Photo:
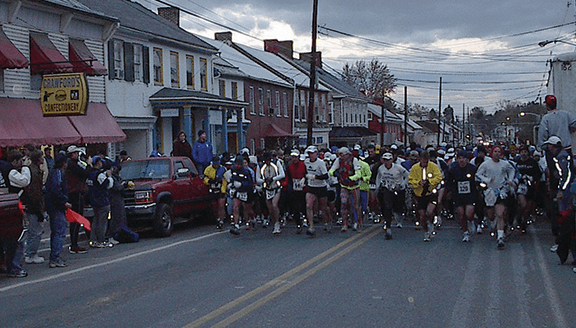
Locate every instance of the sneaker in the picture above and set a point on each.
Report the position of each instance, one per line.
(500, 243)
(554, 248)
(344, 228)
(399, 225)
(265, 224)
(479, 229)
(77, 250)
(58, 264)
(113, 241)
(95, 244)
(311, 232)
(219, 224)
(34, 259)
(276, 228)
(299, 229)
(388, 234)
(18, 274)
(235, 230)
(355, 226)
(427, 236)
(466, 237)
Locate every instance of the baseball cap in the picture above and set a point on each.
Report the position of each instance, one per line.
(414, 153)
(311, 149)
(344, 150)
(357, 147)
(394, 147)
(294, 152)
(387, 156)
(550, 100)
(73, 149)
(553, 140)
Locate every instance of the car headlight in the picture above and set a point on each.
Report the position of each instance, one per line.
(143, 197)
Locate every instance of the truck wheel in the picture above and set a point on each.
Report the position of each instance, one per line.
(163, 220)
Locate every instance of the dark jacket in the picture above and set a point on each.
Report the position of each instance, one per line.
(56, 192)
(76, 176)
(202, 153)
(182, 149)
(98, 186)
(33, 196)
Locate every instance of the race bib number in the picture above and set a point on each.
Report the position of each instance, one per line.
(372, 186)
(243, 196)
(215, 188)
(270, 194)
(464, 187)
(298, 185)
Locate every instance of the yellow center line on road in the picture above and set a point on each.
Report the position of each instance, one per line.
(282, 281)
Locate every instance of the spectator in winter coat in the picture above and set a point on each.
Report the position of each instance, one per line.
(33, 198)
(56, 205)
(181, 146)
(99, 182)
(202, 152)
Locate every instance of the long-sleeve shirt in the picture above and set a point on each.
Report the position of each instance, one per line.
(393, 178)
(56, 191)
(268, 171)
(366, 174)
(433, 175)
(558, 123)
(495, 174)
(348, 173)
(18, 180)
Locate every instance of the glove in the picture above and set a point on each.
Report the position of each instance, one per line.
(237, 184)
(310, 176)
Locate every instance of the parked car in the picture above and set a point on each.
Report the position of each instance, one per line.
(162, 191)
(11, 217)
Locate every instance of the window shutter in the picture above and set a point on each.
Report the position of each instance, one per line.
(129, 62)
(111, 74)
(146, 64)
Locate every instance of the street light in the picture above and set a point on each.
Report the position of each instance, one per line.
(547, 42)
(522, 114)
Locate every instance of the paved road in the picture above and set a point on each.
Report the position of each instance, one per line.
(200, 278)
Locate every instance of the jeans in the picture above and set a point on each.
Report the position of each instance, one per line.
(57, 234)
(35, 229)
(99, 224)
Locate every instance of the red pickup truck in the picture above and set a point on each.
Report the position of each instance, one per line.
(11, 217)
(162, 191)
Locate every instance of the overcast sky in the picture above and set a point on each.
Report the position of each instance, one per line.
(485, 51)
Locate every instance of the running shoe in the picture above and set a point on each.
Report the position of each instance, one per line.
(554, 248)
(311, 232)
(77, 250)
(388, 234)
(276, 228)
(344, 228)
(427, 236)
(58, 264)
(95, 244)
(18, 274)
(466, 237)
(500, 243)
(479, 229)
(34, 259)
(299, 229)
(235, 230)
(355, 226)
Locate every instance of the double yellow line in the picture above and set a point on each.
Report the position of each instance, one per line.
(281, 282)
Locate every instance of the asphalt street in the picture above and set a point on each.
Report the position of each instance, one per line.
(202, 277)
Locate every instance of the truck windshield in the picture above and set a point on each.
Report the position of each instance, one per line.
(145, 170)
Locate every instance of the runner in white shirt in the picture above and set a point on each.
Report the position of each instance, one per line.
(390, 183)
(268, 176)
(316, 177)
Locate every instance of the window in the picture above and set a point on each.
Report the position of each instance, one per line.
(158, 78)
(252, 145)
(118, 60)
(319, 140)
(222, 88)
(174, 70)
(190, 72)
(331, 113)
(369, 116)
(278, 104)
(1, 80)
(260, 101)
(269, 101)
(262, 143)
(203, 74)
(234, 87)
(296, 107)
(285, 104)
(303, 105)
(138, 62)
(252, 102)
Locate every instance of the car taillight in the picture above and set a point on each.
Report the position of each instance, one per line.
(143, 197)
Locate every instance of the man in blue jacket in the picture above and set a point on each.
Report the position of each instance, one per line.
(202, 152)
(56, 205)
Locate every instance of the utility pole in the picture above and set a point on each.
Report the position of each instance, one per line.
(312, 74)
(405, 116)
(439, 112)
(464, 122)
(382, 123)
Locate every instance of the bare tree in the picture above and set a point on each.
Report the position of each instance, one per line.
(373, 79)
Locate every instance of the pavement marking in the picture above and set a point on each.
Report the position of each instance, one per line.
(97, 265)
(549, 286)
(521, 288)
(282, 281)
(461, 311)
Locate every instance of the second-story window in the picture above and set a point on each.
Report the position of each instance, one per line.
(252, 102)
(285, 103)
(138, 62)
(174, 70)
(190, 72)
(234, 90)
(303, 105)
(118, 59)
(277, 103)
(260, 101)
(203, 74)
(269, 101)
(158, 78)
(331, 113)
(222, 88)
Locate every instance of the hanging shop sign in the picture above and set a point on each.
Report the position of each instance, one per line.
(64, 94)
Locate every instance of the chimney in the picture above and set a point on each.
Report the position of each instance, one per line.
(223, 36)
(306, 57)
(279, 47)
(171, 14)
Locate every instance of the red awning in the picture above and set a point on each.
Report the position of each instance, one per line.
(22, 122)
(98, 125)
(10, 56)
(45, 58)
(275, 131)
(84, 61)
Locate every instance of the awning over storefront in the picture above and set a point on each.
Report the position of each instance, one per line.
(45, 58)
(10, 56)
(98, 125)
(275, 131)
(84, 61)
(22, 122)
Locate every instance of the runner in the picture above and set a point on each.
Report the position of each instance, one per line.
(424, 178)
(214, 179)
(317, 177)
(242, 191)
(347, 169)
(268, 177)
(498, 178)
(530, 174)
(390, 183)
(460, 180)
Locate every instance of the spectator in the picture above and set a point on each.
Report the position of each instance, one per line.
(117, 210)
(181, 146)
(202, 152)
(99, 181)
(124, 157)
(48, 158)
(33, 198)
(76, 175)
(56, 205)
